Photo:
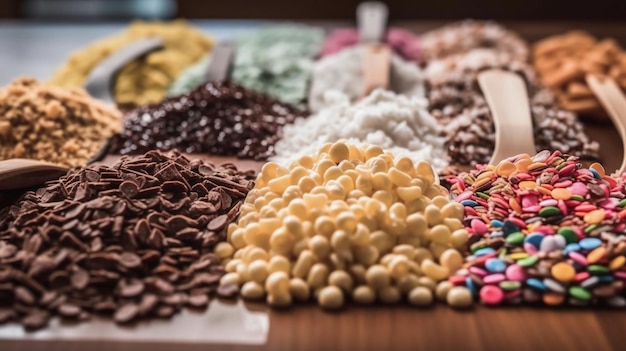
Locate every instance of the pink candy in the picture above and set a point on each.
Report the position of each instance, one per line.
(491, 295)
(578, 188)
(578, 258)
(494, 278)
(516, 273)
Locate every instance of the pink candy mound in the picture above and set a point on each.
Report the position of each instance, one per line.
(403, 42)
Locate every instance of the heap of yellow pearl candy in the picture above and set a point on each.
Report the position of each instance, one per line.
(352, 222)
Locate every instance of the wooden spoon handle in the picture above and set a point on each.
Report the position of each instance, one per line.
(23, 173)
(613, 100)
(507, 98)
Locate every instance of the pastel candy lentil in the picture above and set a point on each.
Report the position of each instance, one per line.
(556, 226)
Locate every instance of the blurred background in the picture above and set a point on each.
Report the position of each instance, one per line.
(108, 10)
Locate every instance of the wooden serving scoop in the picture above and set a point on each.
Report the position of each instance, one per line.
(376, 62)
(507, 98)
(614, 101)
(18, 173)
(24, 173)
(102, 78)
(221, 62)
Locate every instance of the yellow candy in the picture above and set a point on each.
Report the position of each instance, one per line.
(617, 263)
(594, 217)
(527, 185)
(505, 169)
(563, 272)
(596, 255)
(518, 255)
(561, 194)
(598, 168)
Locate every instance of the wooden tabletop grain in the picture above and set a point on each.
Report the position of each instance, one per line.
(306, 327)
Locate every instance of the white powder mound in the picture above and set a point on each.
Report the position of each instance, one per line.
(395, 122)
(342, 71)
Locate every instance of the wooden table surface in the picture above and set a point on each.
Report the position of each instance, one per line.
(306, 327)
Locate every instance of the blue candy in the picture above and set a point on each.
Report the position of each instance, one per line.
(590, 243)
(571, 247)
(509, 227)
(605, 278)
(496, 223)
(595, 173)
(495, 265)
(470, 203)
(534, 239)
(484, 251)
(469, 283)
(536, 284)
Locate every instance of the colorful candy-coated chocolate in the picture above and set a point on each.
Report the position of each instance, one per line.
(545, 228)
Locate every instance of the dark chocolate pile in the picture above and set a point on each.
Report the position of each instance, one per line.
(133, 240)
(218, 118)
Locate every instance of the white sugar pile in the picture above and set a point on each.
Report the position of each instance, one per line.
(395, 122)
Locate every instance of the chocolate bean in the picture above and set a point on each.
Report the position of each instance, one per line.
(228, 290)
(130, 260)
(198, 300)
(35, 320)
(218, 222)
(6, 315)
(69, 311)
(126, 313)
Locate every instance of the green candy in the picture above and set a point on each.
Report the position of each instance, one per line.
(515, 238)
(503, 253)
(477, 246)
(591, 228)
(579, 293)
(569, 234)
(483, 195)
(622, 203)
(578, 198)
(549, 211)
(528, 261)
(597, 269)
(510, 285)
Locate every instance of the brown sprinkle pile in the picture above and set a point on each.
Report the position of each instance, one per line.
(58, 125)
(133, 240)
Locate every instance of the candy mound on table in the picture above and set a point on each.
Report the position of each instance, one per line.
(350, 221)
(219, 118)
(277, 60)
(460, 37)
(563, 61)
(402, 42)
(543, 229)
(343, 71)
(456, 101)
(397, 123)
(147, 79)
(130, 241)
(53, 124)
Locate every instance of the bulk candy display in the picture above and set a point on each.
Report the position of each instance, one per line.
(145, 80)
(397, 123)
(343, 72)
(57, 125)
(277, 61)
(133, 240)
(460, 37)
(562, 62)
(402, 42)
(543, 229)
(350, 222)
(219, 118)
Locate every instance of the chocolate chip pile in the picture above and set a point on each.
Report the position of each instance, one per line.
(217, 118)
(58, 125)
(133, 240)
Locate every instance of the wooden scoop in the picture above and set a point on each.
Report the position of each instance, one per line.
(25, 173)
(102, 78)
(614, 101)
(507, 98)
(18, 173)
(372, 22)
